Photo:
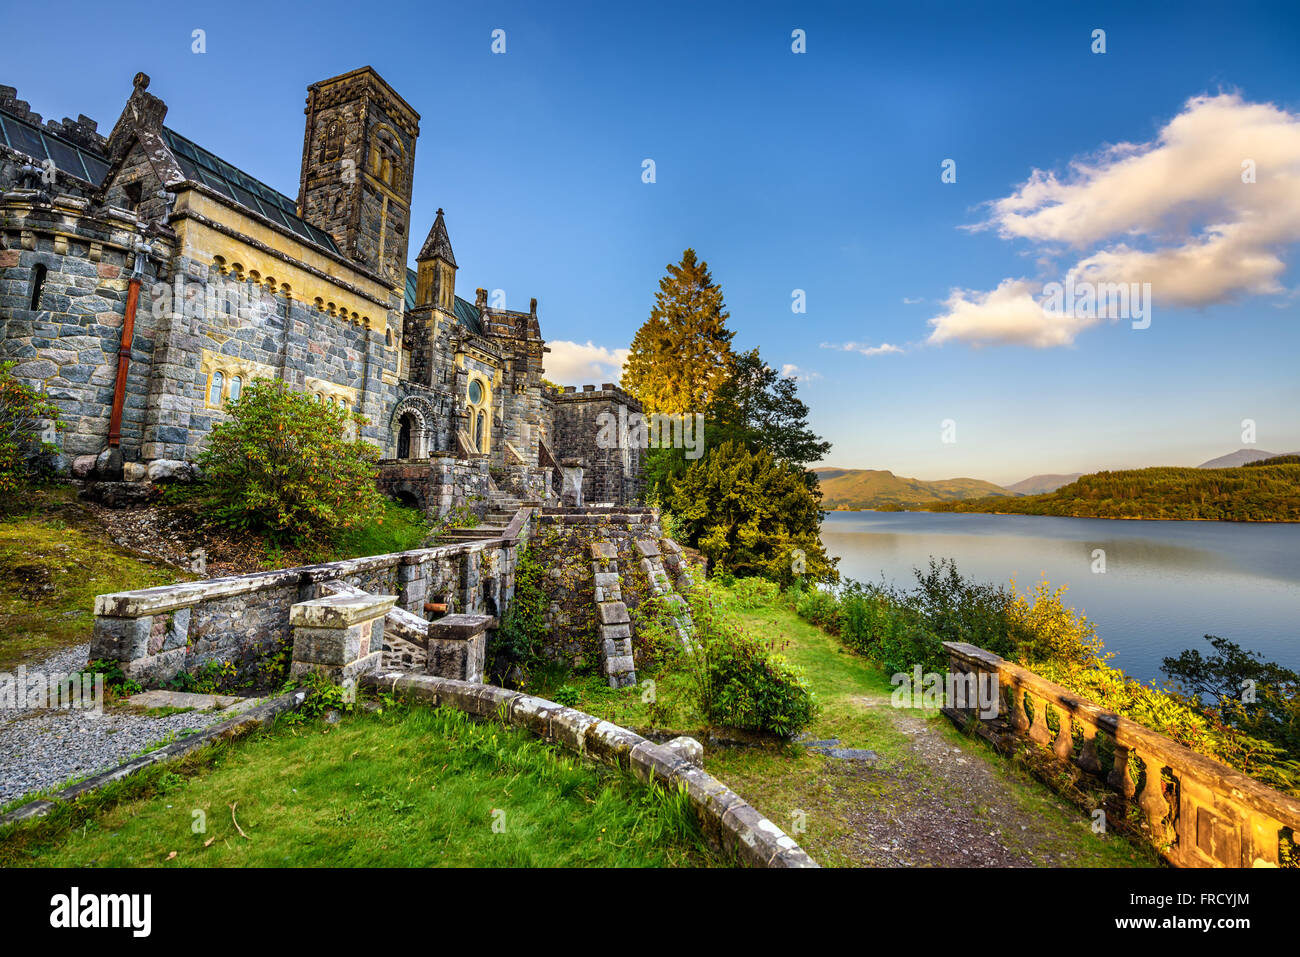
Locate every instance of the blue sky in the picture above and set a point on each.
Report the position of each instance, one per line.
(818, 171)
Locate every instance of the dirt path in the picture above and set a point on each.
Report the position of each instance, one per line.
(909, 789)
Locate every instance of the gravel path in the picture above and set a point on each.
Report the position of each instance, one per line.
(42, 749)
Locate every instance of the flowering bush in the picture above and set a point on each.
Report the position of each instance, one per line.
(283, 466)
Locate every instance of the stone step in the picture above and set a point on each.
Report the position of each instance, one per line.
(471, 534)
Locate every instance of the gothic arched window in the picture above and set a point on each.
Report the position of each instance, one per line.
(214, 391)
(331, 144)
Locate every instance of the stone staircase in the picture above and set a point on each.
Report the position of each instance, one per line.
(502, 507)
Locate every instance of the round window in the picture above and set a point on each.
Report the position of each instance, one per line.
(475, 392)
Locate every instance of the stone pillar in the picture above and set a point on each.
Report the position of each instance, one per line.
(339, 636)
(413, 582)
(458, 646)
(571, 493)
(613, 620)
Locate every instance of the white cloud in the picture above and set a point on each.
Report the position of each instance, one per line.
(791, 371)
(861, 347)
(1008, 315)
(571, 363)
(908, 301)
(1173, 212)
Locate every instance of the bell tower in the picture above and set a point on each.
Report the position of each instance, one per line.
(358, 157)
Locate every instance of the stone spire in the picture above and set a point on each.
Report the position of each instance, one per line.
(438, 245)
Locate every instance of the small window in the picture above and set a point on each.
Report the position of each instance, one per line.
(331, 142)
(38, 283)
(214, 390)
(236, 386)
(478, 433)
(475, 392)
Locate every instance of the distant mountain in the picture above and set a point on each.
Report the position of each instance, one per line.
(879, 488)
(1269, 493)
(1039, 484)
(1239, 457)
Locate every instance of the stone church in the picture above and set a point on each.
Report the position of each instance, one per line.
(145, 281)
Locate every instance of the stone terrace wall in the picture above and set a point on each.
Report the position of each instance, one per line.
(438, 484)
(157, 633)
(1206, 815)
(610, 475)
(562, 541)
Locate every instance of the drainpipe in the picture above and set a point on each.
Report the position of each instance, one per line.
(111, 468)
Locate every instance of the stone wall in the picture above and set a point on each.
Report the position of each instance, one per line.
(157, 633)
(562, 542)
(1196, 811)
(611, 474)
(68, 345)
(439, 484)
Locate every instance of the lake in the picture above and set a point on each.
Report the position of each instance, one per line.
(1165, 585)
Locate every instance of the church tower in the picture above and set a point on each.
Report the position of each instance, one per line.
(358, 157)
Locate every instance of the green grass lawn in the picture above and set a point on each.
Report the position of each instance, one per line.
(404, 787)
(787, 781)
(54, 560)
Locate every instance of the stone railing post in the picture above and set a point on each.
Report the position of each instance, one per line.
(571, 492)
(457, 646)
(339, 636)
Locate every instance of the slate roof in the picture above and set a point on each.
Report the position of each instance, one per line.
(42, 145)
(197, 163)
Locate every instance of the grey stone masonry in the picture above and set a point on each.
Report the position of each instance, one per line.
(339, 636)
(591, 426)
(612, 617)
(457, 646)
(661, 586)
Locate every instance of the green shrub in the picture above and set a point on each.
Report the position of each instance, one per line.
(819, 607)
(518, 640)
(282, 466)
(751, 594)
(738, 681)
(23, 414)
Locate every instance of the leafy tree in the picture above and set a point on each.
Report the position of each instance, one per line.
(1243, 690)
(23, 414)
(761, 408)
(682, 354)
(752, 514)
(283, 466)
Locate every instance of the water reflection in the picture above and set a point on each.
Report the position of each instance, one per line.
(1165, 585)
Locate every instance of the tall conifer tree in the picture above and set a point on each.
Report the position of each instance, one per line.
(682, 354)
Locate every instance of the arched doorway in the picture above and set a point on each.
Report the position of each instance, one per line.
(405, 427)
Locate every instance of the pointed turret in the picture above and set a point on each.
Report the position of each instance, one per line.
(438, 245)
(435, 283)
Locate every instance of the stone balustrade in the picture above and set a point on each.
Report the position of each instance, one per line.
(157, 633)
(1199, 811)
